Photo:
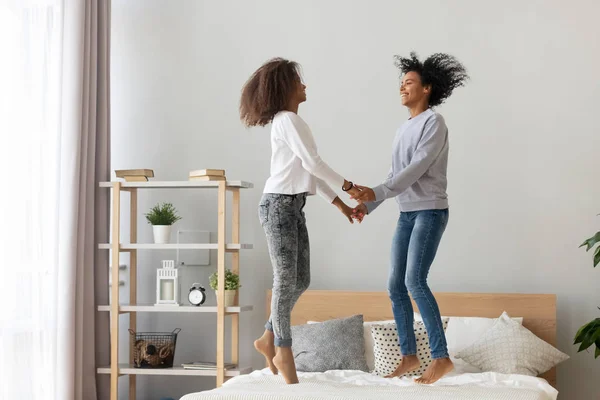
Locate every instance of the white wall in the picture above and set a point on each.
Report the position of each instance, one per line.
(524, 143)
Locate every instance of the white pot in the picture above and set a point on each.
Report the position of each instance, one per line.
(162, 233)
(229, 298)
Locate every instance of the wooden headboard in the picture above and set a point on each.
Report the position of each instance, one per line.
(538, 310)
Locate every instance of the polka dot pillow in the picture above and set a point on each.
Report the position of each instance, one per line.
(387, 349)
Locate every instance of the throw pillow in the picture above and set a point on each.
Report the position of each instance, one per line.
(387, 349)
(509, 348)
(330, 345)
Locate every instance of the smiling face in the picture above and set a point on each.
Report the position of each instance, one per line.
(412, 91)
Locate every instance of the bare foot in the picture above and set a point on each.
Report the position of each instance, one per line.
(284, 361)
(407, 364)
(437, 369)
(264, 345)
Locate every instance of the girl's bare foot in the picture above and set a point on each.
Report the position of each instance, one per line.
(264, 345)
(407, 364)
(437, 369)
(284, 361)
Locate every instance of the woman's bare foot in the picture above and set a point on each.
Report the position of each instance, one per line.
(264, 345)
(407, 364)
(437, 369)
(284, 361)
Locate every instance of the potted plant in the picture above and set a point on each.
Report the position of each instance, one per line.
(589, 334)
(232, 283)
(161, 217)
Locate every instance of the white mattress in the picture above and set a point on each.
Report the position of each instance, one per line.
(262, 385)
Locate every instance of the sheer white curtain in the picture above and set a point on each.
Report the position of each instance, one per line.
(54, 147)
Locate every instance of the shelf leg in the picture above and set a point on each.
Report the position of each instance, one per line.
(114, 298)
(132, 284)
(222, 200)
(235, 268)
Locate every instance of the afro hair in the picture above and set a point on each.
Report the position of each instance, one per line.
(442, 71)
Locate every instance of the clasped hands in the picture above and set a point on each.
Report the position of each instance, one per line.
(362, 194)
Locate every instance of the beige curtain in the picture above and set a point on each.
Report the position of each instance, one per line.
(55, 135)
(84, 209)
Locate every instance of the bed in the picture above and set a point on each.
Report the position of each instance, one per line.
(538, 312)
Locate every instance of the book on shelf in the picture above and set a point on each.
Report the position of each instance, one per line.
(135, 178)
(208, 172)
(207, 178)
(122, 173)
(206, 365)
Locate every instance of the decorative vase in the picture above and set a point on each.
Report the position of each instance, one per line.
(162, 233)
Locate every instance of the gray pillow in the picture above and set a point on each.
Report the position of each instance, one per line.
(329, 345)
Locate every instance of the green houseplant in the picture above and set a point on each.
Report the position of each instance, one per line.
(232, 283)
(589, 334)
(161, 217)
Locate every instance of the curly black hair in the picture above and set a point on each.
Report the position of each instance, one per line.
(442, 71)
(268, 91)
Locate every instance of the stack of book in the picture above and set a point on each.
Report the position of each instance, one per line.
(205, 365)
(207, 175)
(135, 175)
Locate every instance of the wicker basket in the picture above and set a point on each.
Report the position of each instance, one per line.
(154, 350)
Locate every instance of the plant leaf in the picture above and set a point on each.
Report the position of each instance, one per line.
(581, 333)
(164, 214)
(585, 343)
(597, 351)
(594, 336)
(591, 335)
(591, 241)
(597, 257)
(232, 281)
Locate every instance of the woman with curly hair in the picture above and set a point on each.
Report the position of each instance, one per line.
(417, 179)
(272, 95)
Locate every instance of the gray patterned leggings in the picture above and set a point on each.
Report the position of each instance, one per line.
(283, 220)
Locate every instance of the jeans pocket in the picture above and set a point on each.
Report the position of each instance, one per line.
(445, 217)
(263, 213)
(287, 200)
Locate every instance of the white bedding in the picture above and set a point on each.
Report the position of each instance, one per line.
(262, 385)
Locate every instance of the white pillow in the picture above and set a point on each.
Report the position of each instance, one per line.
(369, 344)
(509, 348)
(463, 332)
(387, 349)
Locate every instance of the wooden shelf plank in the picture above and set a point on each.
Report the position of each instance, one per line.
(175, 309)
(179, 184)
(177, 246)
(128, 369)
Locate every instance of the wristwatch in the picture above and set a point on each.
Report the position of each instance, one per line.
(350, 187)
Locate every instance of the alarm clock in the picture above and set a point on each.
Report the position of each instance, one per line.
(196, 296)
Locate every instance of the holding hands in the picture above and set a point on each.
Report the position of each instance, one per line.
(361, 194)
(345, 209)
(359, 212)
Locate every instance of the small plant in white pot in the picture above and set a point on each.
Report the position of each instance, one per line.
(161, 217)
(232, 283)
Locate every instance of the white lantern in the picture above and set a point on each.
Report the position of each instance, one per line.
(167, 284)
